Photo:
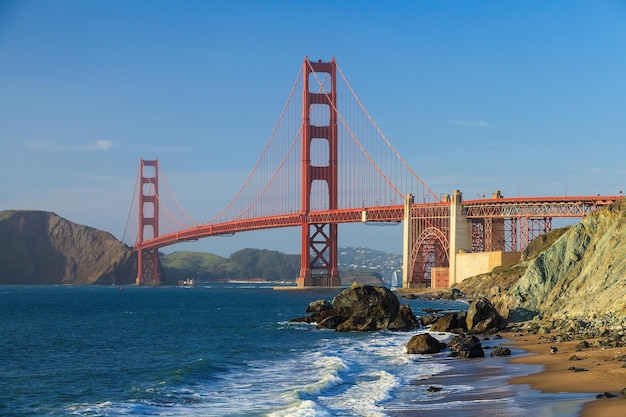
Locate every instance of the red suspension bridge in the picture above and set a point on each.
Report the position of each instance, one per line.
(326, 163)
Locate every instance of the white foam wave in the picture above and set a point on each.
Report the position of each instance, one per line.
(328, 368)
(306, 408)
(353, 374)
(363, 398)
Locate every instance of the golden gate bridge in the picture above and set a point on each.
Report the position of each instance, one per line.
(326, 163)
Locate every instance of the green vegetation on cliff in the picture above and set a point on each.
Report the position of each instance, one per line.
(575, 272)
(248, 264)
(243, 264)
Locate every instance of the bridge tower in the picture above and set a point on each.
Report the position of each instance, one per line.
(319, 126)
(148, 205)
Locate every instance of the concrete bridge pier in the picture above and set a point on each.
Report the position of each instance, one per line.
(460, 233)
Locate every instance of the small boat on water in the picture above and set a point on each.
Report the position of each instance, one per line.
(187, 283)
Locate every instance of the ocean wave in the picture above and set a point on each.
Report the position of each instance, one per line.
(364, 396)
(305, 408)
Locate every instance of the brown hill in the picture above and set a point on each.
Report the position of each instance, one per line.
(38, 247)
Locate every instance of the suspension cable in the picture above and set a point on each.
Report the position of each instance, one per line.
(384, 137)
(262, 154)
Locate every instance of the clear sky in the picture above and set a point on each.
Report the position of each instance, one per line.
(528, 97)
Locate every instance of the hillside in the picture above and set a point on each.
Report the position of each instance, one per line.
(575, 272)
(243, 264)
(38, 247)
(356, 264)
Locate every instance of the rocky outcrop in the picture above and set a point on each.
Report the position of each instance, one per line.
(501, 351)
(450, 322)
(482, 317)
(424, 343)
(466, 347)
(581, 274)
(361, 308)
(38, 247)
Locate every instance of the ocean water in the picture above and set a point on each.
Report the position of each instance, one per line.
(229, 350)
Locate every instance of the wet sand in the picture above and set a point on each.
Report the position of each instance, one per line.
(598, 370)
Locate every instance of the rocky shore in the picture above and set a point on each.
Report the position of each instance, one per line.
(582, 355)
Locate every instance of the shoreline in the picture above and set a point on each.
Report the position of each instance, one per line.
(597, 370)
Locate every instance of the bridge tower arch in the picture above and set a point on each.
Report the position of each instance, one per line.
(148, 208)
(426, 241)
(318, 266)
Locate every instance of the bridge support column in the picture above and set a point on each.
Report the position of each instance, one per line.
(319, 123)
(407, 242)
(460, 233)
(148, 208)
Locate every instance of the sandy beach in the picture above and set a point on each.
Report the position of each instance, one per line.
(597, 370)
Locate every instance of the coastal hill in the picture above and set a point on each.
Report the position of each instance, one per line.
(245, 264)
(39, 247)
(266, 265)
(576, 272)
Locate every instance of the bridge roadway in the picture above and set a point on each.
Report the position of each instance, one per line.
(484, 208)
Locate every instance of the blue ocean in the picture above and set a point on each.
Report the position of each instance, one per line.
(230, 350)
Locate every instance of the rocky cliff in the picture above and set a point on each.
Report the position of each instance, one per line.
(38, 247)
(574, 272)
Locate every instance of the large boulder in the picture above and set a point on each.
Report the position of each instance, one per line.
(482, 317)
(465, 347)
(405, 320)
(362, 308)
(375, 302)
(450, 322)
(424, 343)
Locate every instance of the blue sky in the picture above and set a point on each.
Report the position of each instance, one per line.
(527, 97)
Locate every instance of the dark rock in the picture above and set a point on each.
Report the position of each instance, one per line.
(434, 389)
(582, 345)
(482, 317)
(574, 358)
(424, 343)
(330, 322)
(319, 306)
(605, 395)
(623, 392)
(358, 323)
(427, 320)
(450, 322)
(465, 347)
(501, 351)
(306, 319)
(362, 308)
(456, 294)
(405, 320)
(369, 307)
